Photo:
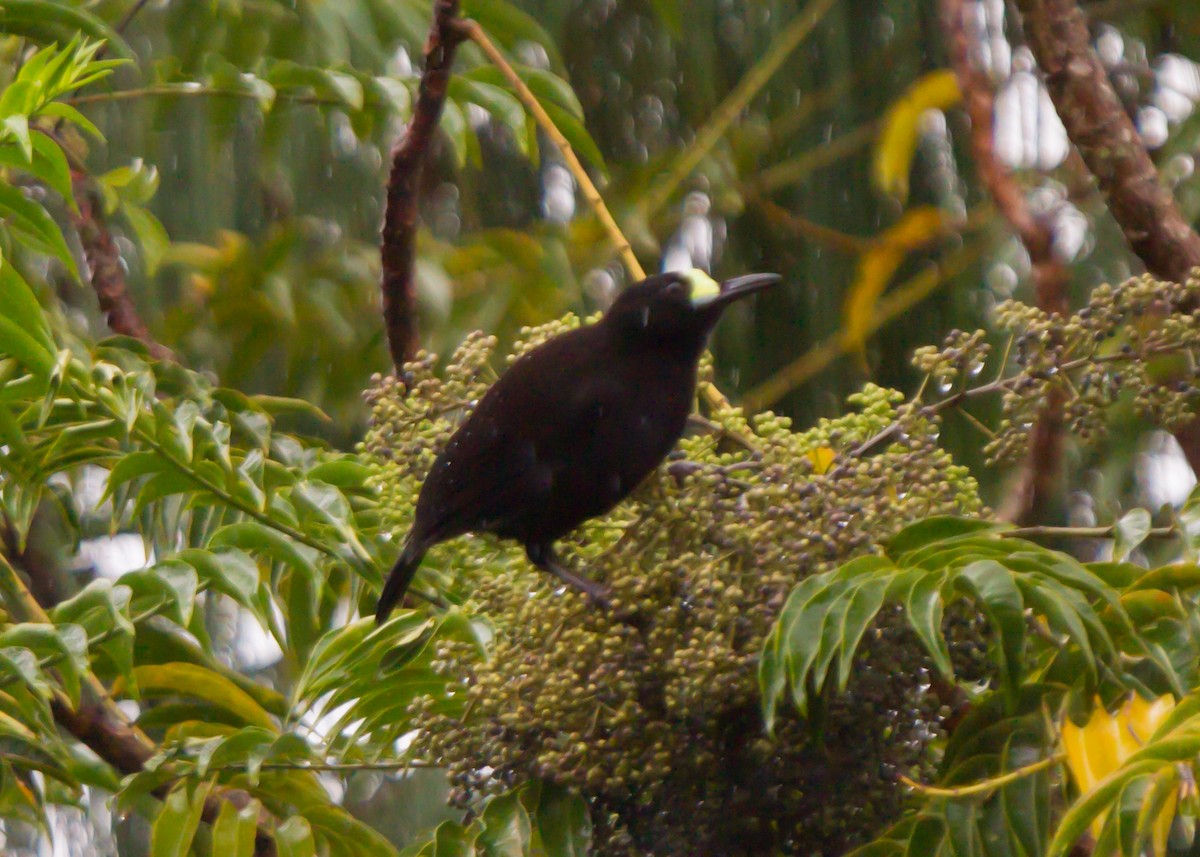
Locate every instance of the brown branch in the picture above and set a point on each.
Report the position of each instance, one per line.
(106, 272)
(408, 161)
(104, 728)
(1039, 475)
(1098, 126)
(1100, 129)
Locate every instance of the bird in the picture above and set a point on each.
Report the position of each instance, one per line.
(572, 427)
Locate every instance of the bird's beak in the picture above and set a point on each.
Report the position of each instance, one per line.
(740, 287)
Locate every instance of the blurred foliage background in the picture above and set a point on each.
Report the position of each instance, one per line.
(245, 148)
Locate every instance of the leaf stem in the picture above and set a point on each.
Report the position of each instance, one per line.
(190, 89)
(1081, 532)
(985, 785)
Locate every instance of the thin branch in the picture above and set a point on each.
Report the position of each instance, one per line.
(132, 13)
(933, 409)
(105, 271)
(188, 89)
(834, 239)
(708, 391)
(1046, 532)
(801, 166)
(330, 767)
(399, 235)
(897, 302)
(782, 47)
(1039, 475)
(985, 785)
(471, 30)
(1099, 127)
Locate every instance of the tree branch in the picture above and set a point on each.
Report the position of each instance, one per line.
(106, 272)
(1100, 129)
(408, 161)
(100, 724)
(1098, 126)
(1039, 475)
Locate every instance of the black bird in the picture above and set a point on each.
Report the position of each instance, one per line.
(572, 427)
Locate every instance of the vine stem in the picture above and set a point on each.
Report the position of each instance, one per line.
(471, 30)
(985, 785)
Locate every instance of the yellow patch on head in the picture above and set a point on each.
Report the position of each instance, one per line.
(702, 288)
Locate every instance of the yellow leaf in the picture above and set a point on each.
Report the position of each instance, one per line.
(897, 143)
(1102, 745)
(822, 458)
(877, 266)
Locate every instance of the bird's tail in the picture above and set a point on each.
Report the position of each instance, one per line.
(399, 578)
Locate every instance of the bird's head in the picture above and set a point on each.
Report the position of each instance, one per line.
(678, 307)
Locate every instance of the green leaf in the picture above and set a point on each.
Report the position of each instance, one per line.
(151, 235)
(66, 112)
(1085, 810)
(864, 606)
(347, 835)
(186, 679)
(131, 466)
(102, 608)
(67, 644)
(546, 86)
(170, 582)
(19, 305)
(510, 25)
(47, 163)
(254, 536)
(294, 838)
(936, 529)
(577, 135)
(498, 102)
(451, 839)
(1130, 532)
(233, 833)
(343, 473)
(229, 571)
(1168, 577)
(507, 831)
(994, 589)
(176, 825)
(924, 612)
(32, 224)
(564, 822)
(16, 16)
(338, 87)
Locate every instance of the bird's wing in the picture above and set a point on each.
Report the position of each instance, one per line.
(503, 460)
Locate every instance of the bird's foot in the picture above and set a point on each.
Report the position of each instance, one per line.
(597, 593)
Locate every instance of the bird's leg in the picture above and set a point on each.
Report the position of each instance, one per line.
(544, 557)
